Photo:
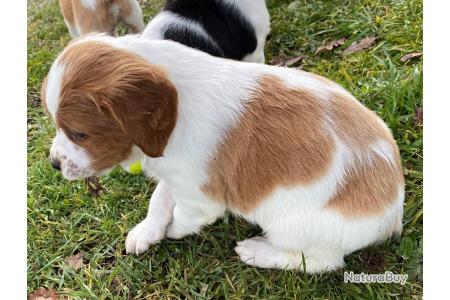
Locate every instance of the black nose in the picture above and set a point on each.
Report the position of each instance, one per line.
(56, 164)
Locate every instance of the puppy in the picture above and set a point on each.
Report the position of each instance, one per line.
(288, 150)
(85, 16)
(235, 29)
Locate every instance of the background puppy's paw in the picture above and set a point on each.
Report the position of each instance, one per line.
(142, 236)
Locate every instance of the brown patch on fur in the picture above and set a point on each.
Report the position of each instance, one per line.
(281, 141)
(356, 125)
(117, 99)
(368, 188)
(371, 184)
(278, 142)
(99, 20)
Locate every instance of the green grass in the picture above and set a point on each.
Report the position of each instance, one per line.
(63, 219)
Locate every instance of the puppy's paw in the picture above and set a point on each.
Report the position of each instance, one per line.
(258, 252)
(142, 236)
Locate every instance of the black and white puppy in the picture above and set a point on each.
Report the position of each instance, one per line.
(235, 29)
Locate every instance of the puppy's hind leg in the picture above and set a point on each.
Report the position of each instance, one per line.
(259, 252)
(73, 30)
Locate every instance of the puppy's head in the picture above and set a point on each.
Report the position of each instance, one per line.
(103, 101)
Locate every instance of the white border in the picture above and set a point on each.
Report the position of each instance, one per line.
(13, 123)
(13, 146)
(437, 148)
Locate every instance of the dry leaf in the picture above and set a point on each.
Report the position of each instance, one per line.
(359, 46)
(418, 118)
(277, 61)
(292, 61)
(330, 46)
(43, 294)
(410, 56)
(75, 261)
(282, 61)
(94, 186)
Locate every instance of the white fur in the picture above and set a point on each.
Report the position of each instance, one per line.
(155, 29)
(212, 95)
(75, 161)
(89, 4)
(384, 150)
(73, 29)
(54, 87)
(254, 10)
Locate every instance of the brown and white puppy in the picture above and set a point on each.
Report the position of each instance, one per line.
(85, 16)
(288, 150)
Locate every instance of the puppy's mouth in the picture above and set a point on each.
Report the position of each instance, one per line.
(71, 171)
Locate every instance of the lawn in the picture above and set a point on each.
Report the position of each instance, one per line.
(64, 219)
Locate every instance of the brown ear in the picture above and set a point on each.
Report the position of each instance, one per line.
(137, 95)
(146, 107)
(145, 104)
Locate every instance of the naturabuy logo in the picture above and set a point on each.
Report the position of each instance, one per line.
(386, 277)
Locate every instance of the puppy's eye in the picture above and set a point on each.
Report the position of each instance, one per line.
(79, 136)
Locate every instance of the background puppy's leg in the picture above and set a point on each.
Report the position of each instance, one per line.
(190, 216)
(132, 16)
(153, 228)
(66, 8)
(73, 31)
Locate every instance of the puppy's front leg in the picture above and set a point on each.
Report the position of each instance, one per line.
(153, 228)
(190, 216)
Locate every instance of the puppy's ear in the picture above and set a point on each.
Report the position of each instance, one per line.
(144, 103)
(137, 96)
(127, 88)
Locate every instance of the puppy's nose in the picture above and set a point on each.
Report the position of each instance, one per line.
(56, 164)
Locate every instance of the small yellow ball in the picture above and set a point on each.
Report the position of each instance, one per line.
(136, 168)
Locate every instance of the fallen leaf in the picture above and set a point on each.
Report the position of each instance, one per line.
(94, 186)
(292, 61)
(282, 61)
(277, 61)
(43, 294)
(359, 46)
(330, 46)
(75, 261)
(410, 56)
(418, 118)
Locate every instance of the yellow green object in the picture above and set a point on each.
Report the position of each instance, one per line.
(136, 168)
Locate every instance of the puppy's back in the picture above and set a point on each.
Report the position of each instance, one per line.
(231, 32)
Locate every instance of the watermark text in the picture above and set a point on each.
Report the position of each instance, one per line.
(386, 277)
